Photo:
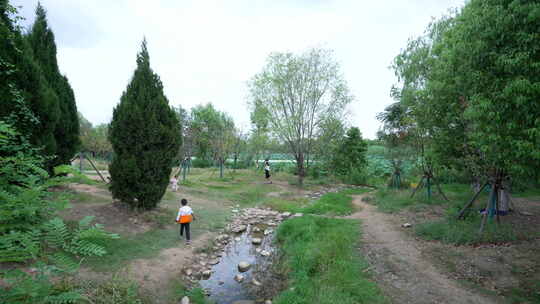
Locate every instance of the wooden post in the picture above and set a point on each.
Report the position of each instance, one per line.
(469, 204)
(429, 187)
(485, 215)
(99, 173)
(81, 157)
(420, 184)
(497, 196)
(440, 190)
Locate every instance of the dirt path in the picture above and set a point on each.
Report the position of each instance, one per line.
(155, 274)
(401, 269)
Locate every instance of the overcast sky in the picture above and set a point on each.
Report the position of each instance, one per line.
(207, 50)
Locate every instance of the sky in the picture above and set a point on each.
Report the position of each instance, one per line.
(207, 50)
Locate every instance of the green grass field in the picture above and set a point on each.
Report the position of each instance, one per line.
(323, 263)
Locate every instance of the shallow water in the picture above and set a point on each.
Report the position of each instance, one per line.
(222, 286)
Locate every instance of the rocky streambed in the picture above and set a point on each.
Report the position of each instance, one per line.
(237, 269)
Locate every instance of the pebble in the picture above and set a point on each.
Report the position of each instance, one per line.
(206, 274)
(244, 266)
(239, 278)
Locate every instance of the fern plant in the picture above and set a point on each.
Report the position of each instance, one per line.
(26, 288)
(71, 246)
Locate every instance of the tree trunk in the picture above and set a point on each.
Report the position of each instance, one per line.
(301, 169)
(183, 168)
(81, 158)
(504, 203)
(428, 188)
(220, 168)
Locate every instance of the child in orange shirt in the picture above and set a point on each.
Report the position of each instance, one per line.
(185, 217)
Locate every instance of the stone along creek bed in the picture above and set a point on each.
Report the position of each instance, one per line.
(237, 270)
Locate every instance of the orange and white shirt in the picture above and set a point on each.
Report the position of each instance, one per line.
(184, 211)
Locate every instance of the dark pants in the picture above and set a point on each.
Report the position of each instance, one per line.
(267, 174)
(186, 227)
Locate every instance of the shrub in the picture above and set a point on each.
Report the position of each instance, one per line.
(28, 232)
(201, 163)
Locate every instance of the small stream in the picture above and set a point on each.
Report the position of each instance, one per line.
(217, 270)
(222, 286)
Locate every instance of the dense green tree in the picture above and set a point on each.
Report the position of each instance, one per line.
(66, 130)
(213, 132)
(144, 136)
(350, 156)
(328, 141)
(489, 61)
(471, 84)
(27, 102)
(395, 135)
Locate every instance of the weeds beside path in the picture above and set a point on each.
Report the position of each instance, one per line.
(399, 265)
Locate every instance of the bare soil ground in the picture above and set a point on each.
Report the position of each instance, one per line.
(400, 265)
(413, 270)
(156, 273)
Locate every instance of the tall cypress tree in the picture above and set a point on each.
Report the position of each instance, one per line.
(66, 130)
(26, 100)
(144, 136)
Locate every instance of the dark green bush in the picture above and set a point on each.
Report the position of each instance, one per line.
(202, 163)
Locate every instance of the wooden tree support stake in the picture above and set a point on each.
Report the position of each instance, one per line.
(420, 185)
(440, 190)
(469, 204)
(95, 168)
(485, 215)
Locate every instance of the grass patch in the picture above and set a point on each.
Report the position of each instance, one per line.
(150, 243)
(391, 200)
(144, 245)
(465, 232)
(116, 290)
(331, 203)
(527, 293)
(178, 291)
(529, 193)
(355, 191)
(286, 205)
(85, 198)
(323, 263)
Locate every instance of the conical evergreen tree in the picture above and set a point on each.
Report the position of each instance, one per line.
(144, 136)
(66, 131)
(26, 100)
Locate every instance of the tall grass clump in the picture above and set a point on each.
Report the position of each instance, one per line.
(323, 263)
(465, 232)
